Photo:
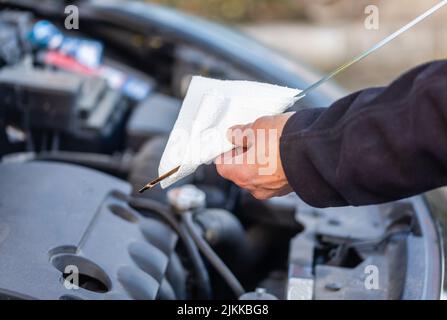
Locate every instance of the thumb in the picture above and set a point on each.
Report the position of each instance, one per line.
(241, 135)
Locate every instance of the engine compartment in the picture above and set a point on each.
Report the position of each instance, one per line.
(92, 228)
(75, 146)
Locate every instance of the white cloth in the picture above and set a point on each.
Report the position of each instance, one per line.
(208, 110)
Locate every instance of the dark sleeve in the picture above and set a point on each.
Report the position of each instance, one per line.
(373, 146)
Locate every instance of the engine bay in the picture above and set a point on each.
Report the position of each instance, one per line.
(77, 142)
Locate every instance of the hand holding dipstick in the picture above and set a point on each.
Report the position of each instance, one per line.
(333, 73)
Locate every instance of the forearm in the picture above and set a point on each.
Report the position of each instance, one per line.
(373, 146)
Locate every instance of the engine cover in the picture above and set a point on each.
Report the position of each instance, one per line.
(67, 219)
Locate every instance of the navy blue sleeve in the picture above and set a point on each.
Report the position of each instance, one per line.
(373, 146)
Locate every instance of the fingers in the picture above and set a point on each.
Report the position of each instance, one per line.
(244, 176)
(231, 166)
(246, 165)
(222, 163)
(241, 135)
(229, 156)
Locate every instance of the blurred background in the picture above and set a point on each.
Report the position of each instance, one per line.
(326, 33)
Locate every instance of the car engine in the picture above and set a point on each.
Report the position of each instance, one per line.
(75, 145)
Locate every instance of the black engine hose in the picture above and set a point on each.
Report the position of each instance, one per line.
(212, 257)
(203, 280)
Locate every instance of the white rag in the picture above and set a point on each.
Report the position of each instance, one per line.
(209, 109)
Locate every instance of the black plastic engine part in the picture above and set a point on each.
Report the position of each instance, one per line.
(277, 212)
(47, 99)
(225, 233)
(212, 257)
(118, 252)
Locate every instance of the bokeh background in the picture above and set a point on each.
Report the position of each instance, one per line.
(326, 33)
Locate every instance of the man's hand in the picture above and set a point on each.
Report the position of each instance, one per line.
(255, 163)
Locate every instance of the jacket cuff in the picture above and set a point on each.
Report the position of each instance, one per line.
(298, 164)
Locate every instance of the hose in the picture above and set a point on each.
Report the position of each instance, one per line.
(203, 281)
(212, 257)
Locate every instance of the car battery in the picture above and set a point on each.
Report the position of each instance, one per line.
(152, 117)
(101, 114)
